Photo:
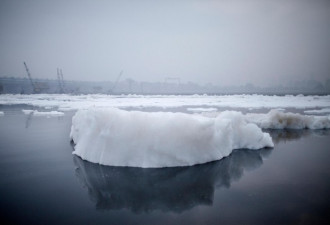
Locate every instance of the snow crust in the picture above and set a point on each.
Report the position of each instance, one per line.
(160, 139)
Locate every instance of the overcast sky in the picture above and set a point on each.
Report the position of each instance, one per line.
(223, 42)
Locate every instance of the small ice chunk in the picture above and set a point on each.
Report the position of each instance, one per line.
(280, 120)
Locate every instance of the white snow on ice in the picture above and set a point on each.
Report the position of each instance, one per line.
(38, 113)
(66, 102)
(160, 139)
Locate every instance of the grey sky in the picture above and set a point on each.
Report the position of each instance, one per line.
(224, 42)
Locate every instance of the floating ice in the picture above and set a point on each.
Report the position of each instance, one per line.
(160, 139)
(37, 113)
(2, 113)
(277, 119)
(286, 120)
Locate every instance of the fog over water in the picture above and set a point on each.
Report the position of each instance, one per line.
(223, 42)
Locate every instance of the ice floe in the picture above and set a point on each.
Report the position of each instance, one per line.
(286, 120)
(160, 139)
(277, 119)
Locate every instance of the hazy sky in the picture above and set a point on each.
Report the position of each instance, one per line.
(224, 42)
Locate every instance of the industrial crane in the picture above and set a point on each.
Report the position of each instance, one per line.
(30, 78)
(60, 80)
(37, 87)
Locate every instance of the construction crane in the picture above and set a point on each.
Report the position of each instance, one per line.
(30, 78)
(37, 87)
(116, 82)
(60, 80)
(60, 87)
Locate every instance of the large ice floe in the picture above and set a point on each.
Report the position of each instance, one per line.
(161, 139)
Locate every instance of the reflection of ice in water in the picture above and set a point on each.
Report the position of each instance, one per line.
(172, 189)
(168, 189)
(293, 134)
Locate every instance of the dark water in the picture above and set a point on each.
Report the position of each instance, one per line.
(41, 182)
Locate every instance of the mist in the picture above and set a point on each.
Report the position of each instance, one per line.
(221, 42)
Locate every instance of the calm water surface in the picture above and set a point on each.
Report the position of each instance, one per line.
(41, 182)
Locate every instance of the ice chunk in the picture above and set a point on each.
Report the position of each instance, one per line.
(2, 113)
(280, 120)
(160, 139)
(277, 119)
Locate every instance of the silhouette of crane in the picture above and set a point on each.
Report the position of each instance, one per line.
(60, 80)
(37, 87)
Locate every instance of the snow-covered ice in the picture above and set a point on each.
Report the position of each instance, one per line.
(160, 139)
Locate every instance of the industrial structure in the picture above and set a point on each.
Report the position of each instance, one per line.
(60, 79)
(37, 87)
